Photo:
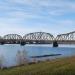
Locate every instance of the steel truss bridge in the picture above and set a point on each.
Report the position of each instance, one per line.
(38, 38)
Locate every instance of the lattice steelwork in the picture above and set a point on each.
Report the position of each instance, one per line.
(68, 36)
(38, 36)
(12, 37)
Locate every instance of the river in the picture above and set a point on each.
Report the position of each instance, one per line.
(9, 51)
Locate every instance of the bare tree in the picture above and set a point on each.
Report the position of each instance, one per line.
(21, 57)
(1, 61)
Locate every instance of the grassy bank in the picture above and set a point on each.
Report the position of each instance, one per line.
(64, 66)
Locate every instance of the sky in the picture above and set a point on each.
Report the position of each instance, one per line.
(26, 16)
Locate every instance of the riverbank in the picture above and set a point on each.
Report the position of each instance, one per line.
(63, 66)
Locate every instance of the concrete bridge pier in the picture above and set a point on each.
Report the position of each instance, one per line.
(55, 44)
(22, 43)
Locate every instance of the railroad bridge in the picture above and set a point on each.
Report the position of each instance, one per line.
(38, 38)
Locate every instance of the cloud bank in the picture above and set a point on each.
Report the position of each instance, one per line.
(24, 16)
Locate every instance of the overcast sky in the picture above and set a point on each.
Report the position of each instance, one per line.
(25, 16)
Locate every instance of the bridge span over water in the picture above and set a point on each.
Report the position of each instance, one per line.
(38, 38)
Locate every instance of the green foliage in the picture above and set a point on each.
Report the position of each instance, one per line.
(62, 66)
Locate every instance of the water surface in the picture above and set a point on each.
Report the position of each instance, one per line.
(9, 52)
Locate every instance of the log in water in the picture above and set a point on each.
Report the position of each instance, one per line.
(45, 55)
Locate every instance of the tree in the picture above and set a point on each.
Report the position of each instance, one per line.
(21, 57)
(1, 61)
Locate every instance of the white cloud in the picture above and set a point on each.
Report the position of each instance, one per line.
(14, 12)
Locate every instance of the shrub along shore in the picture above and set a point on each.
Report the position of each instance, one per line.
(62, 66)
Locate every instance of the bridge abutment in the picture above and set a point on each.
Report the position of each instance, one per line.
(55, 44)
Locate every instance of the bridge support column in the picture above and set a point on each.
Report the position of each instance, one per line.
(55, 44)
(22, 43)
